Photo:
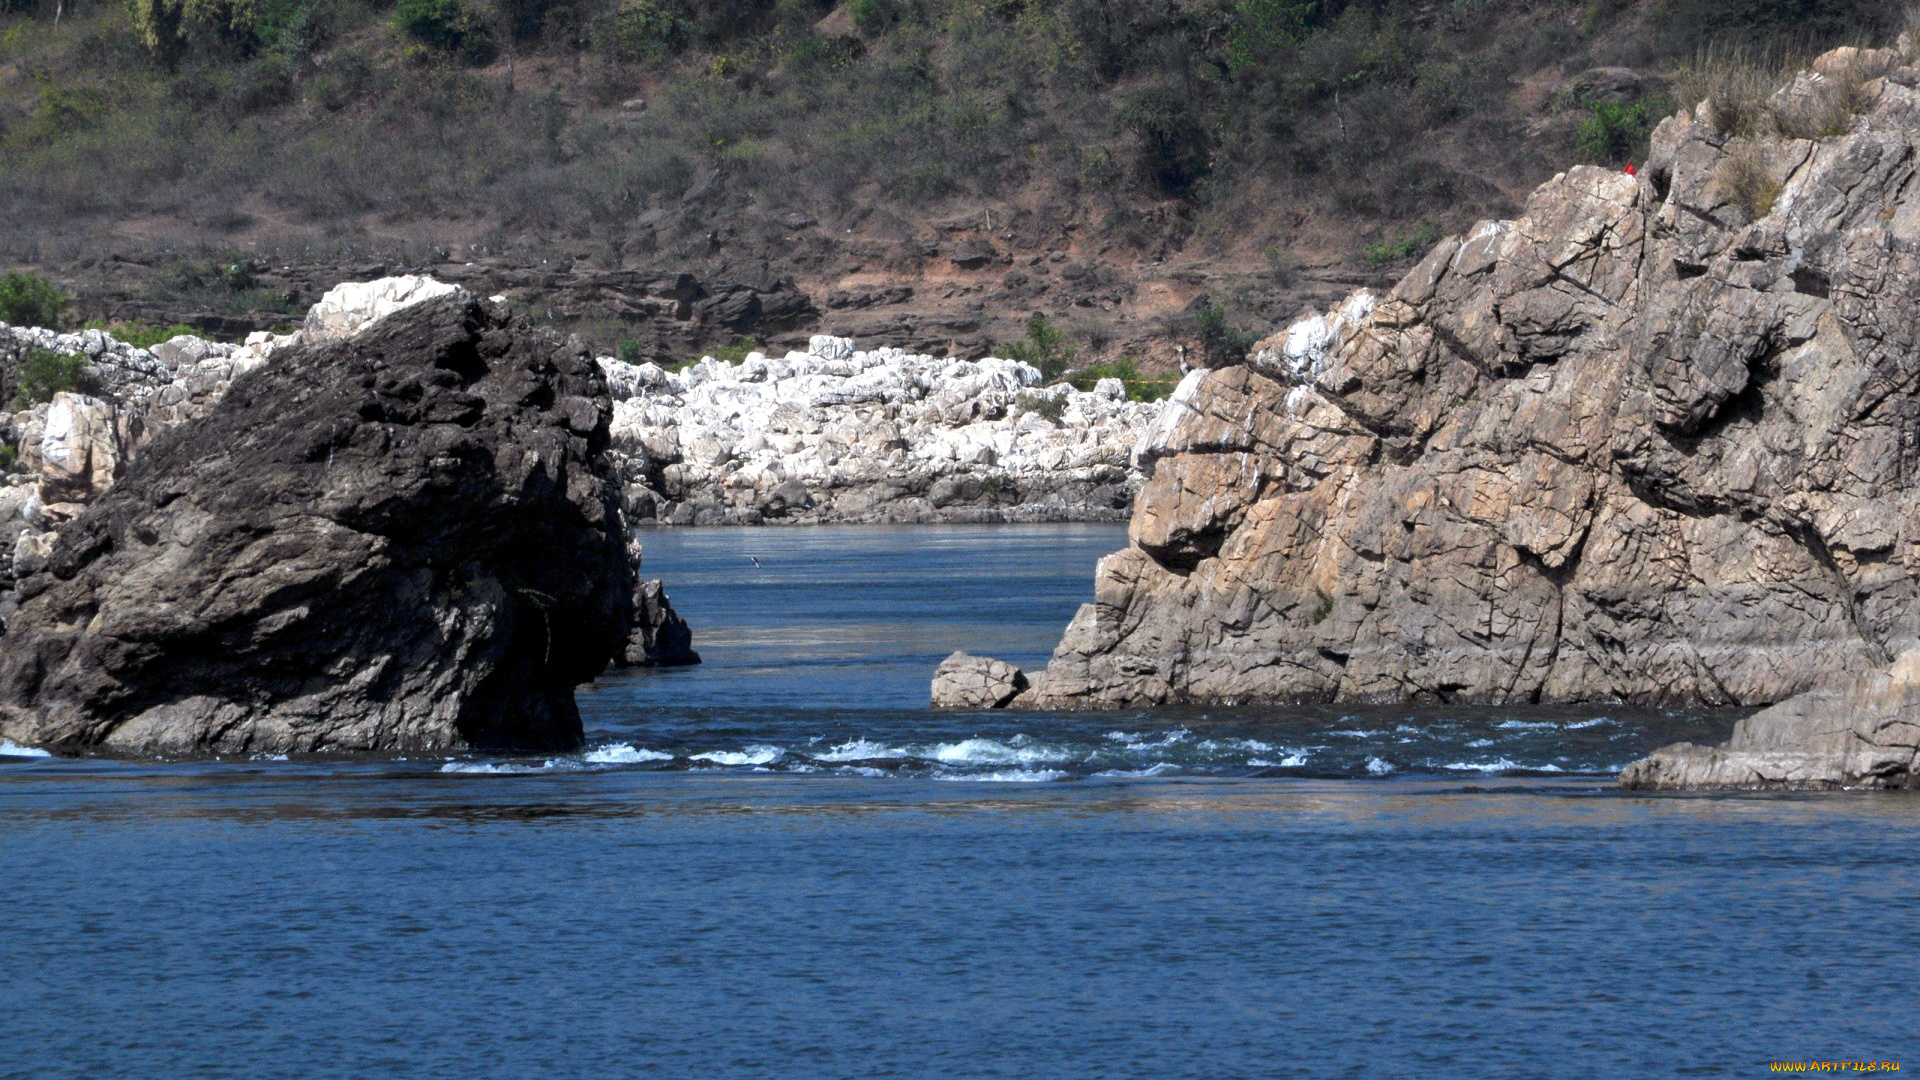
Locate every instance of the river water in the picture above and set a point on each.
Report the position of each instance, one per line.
(781, 864)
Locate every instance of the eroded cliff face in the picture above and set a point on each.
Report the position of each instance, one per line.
(405, 539)
(1654, 440)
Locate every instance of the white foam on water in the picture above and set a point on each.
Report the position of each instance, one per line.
(492, 768)
(1595, 722)
(1356, 734)
(1018, 750)
(1476, 744)
(861, 770)
(1233, 746)
(1379, 767)
(1501, 765)
(268, 757)
(1291, 761)
(862, 749)
(623, 754)
(1006, 776)
(1158, 768)
(1525, 725)
(1144, 740)
(9, 748)
(752, 755)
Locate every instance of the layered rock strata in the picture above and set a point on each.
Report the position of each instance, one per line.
(1653, 441)
(1864, 732)
(401, 540)
(837, 434)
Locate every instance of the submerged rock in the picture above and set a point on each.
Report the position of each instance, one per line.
(965, 681)
(837, 434)
(403, 540)
(1652, 441)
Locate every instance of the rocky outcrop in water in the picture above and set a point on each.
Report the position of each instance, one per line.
(1864, 732)
(1654, 441)
(965, 681)
(836, 434)
(659, 637)
(401, 540)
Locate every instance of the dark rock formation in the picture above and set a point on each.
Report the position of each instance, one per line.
(659, 636)
(1653, 441)
(403, 540)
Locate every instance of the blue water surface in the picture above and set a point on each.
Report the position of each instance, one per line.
(780, 864)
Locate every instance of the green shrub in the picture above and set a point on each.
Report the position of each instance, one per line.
(44, 373)
(1127, 370)
(142, 335)
(450, 26)
(1042, 404)
(27, 299)
(628, 352)
(1222, 343)
(1322, 609)
(7, 459)
(1404, 245)
(646, 30)
(731, 354)
(1262, 28)
(1046, 347)
(1612, 133)
(874, 16)
(62, 110)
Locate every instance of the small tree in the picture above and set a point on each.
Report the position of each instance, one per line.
(1046, 347)
(448, 25)
(27, 299)
(646, 31)
(1222, 343)
(1612, 133)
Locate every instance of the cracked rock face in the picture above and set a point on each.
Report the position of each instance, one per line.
(1634, 445)
(1864, 732)
(965, 681)
(401, 541)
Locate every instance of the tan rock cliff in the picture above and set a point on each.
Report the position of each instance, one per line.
(1655, 440)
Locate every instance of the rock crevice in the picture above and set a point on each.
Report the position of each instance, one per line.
(1637, 444)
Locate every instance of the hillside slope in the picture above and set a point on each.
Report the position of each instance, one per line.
(1149, 174)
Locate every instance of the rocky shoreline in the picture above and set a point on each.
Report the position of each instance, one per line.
(1650, 442)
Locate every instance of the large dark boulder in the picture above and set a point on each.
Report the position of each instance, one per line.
(401, 541)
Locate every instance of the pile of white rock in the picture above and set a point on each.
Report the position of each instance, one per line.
(838, 434)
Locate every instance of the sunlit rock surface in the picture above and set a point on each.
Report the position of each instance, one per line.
(1637, 444)
(837, 434)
